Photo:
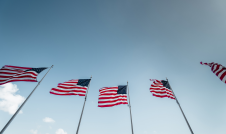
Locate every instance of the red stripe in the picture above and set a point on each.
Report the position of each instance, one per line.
(162, 92)
(109, 94)
(111, 105)
(20, 73)
(72, 87)
(212, 68)
(68, 83)
(67, 94)
(223, 75)
(18, 80)
(219, 71)
(64, 91)
(216, 68)
(100, 102)
(7, 73)
(103, 91)
(163, 96)
(108, 97)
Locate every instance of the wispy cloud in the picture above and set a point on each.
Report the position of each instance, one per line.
(49, 120)
(34, 131)
(9, 100)
(61, 131)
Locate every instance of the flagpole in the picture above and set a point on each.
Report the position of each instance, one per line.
(181, 109)
(83, 107)
(23, 103)
(130, 110)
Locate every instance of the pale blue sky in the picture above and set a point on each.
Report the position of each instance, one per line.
(115, 42)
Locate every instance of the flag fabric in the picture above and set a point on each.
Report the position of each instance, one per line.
(15, 73)
(161, 88)
(112, 96)
(72, 87)
(218, 70)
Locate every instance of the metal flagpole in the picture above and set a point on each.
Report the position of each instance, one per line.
(181, 109)
(130, 109)
(23, 103)
(83, 107)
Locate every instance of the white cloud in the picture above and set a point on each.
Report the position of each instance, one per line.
(60, 131)
(47, 119)
(9, 100)
(34, 131)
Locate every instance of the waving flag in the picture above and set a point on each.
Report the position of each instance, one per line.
(112, 96)
(161, 88)
(14, 73)
(217, 69)
(71, 87)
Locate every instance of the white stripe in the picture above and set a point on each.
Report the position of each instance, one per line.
(224, 79)
(67, 92)
(21, 79)
(72, 86)
(70, 89)
(215, 67)
(70, 82)
(101, 100)
(218, 69)
(158, 87)
(10, 75)
(17, 79)
(12, 78)
(108, 93)
(117, 95)
(219, 75)
(20, 74)
(163, 94)
(102, 104)
(108, 88)
(9, 71)
(13, 68)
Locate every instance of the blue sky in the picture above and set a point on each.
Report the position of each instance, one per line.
(115, 42)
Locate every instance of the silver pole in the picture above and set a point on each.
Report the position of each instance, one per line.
(130, 110)
(83, 107)
(181, 109)
(23, 103)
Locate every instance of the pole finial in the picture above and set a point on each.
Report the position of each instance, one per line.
(91, 77)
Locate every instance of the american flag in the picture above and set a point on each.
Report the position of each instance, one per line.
(14, 73)
(112, 96)
(161, 88)
(217, 69)
(71, 87)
